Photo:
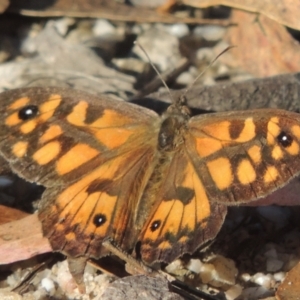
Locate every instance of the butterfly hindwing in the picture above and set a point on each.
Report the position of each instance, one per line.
(183, 217)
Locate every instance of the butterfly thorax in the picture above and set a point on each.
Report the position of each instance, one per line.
(174, 121)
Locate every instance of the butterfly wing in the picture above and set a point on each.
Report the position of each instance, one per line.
(183, 217)
(243, 156)
(92, 154)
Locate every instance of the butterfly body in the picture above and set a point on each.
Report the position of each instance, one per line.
(113, 169)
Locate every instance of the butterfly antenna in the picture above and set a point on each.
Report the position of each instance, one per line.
(155, 69)
(205, 69)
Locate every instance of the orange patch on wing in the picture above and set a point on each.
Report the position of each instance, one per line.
(13, 120)
(52, 132)
(255, 154)
(271, 174)
(207, 146)
(221, 172)
(183, 239)
(199, 208)
(19, 149)
(296, 131)
(75, 157)
(273, 130)
(245, 172)
(47, 153)
(277, 153)
(47, 109)
(70, 236)
(78, 114)
(76, 196)
(248, 132)
(170, 223)
(293, 149)
(112, 137)
(164, 245)
(109, 118)
(107, 170)
(28, 126)
(19, 103)
(218, 130)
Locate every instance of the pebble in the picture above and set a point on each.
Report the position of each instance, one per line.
(5, 181)
(195, 265)
(275, 214)
(274, 265)
(210, 32)
(7, 295)
(179, 30)
(233, 292)
(161, 47)
(174, 266)
(103, 28)
(255, 293)
(48, 285)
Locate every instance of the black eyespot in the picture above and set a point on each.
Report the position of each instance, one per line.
(28, 112)
(155, 225)
(99, 220)
(284, 139)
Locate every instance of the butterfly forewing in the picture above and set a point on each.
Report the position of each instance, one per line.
(242, 156)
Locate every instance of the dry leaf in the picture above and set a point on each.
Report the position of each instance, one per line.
(290, 287)
(286, 12)
(264, 47)
(106, 9)
(8, 214)
(22, 239)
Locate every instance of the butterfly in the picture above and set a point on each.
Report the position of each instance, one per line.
(157, 185)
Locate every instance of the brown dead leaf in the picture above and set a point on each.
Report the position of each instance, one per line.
(8, 214)
(285, 12)
(107, 9)
(264, 47)
(22, 239)
(290, 287)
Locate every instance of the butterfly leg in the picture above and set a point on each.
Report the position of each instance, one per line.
(76, 268)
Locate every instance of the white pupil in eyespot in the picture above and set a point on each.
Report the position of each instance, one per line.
(29, 111)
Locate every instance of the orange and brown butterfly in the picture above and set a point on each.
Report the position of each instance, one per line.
(114, 169)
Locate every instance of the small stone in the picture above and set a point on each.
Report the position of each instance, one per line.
(274, 265)
(279, 276)
(275, 214)
(103, 28)
(179, 30)
(161, 47)
(255, 293)
(210, 32)
(48, 285)
(233, 292)
(174, 266)
(195, 265)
